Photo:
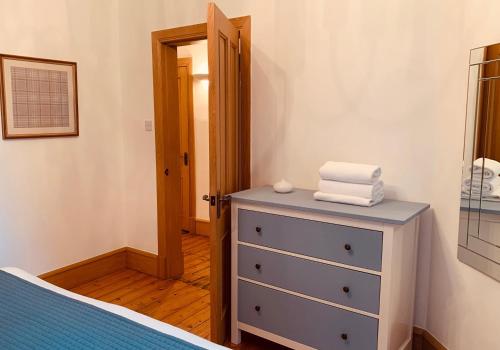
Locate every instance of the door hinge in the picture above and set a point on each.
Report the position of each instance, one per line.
(186, 158)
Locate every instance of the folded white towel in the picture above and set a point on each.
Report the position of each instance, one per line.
(474, 193)
(350, 172)
(340, 198)
(494, 196)
(350, 189)
(491, 168)
(486, 187)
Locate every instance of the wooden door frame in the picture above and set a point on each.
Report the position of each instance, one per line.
(188, 62)
(164, 42)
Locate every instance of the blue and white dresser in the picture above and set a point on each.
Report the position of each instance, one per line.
(319, 275)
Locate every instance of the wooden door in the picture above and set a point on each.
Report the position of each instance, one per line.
(186, 138)
(170, 259)
(488, 125)
(223, 67)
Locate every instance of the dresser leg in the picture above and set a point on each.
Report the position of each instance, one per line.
(235, 336)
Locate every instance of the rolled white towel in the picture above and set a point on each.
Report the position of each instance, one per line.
(340, 198)
(350, 172)
(351, 189)
(494, 196)
(491, 168)
(472, 192)
(486, 187)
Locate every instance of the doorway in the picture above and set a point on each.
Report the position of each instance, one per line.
(228, 47)
(192, 68)
(192, 87)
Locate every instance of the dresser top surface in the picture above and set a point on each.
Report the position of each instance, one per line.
(487, 207)
(388, 211)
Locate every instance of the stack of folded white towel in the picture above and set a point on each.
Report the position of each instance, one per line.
(350, 183)
(485, 181)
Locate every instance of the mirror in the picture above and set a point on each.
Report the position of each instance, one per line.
(479, 229)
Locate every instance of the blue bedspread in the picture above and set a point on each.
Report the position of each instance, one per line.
(32, 317)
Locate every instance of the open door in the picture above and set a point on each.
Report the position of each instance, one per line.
(186, 135)
(224, 124)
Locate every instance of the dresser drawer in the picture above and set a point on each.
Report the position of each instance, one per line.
(308, 322)
(344, 244)
(322, 281)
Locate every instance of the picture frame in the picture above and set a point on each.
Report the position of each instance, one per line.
(38, 97)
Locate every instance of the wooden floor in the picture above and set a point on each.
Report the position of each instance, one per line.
(184, 303)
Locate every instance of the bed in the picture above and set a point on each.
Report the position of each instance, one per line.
(35, 314)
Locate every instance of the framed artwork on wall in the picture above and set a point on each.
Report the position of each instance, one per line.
(38, 97)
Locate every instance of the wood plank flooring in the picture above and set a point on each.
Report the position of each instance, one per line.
(184, 303)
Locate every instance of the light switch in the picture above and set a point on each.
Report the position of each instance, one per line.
(148, 125)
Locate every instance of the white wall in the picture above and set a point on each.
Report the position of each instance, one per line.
(199, 59)
(136, 22)
(377, 82)
(61, 198)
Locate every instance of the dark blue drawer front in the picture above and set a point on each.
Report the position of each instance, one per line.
(343, 244)
(308, 322)
(342, 286)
